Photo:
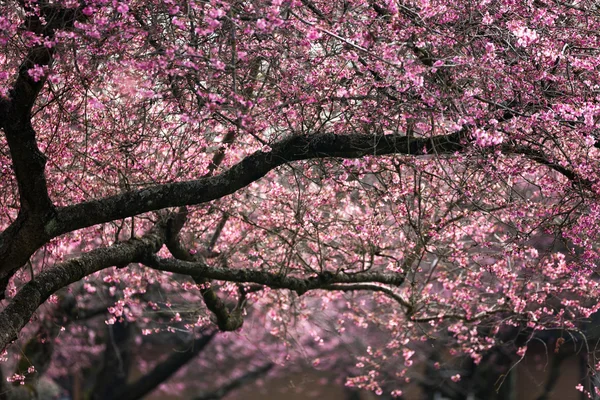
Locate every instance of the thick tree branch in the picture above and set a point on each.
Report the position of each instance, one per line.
(27, 160)
(273, 280)
(26, 234)
(17, 243)
(17, 314)
(540, 158)
(250, 169)
(163, 371)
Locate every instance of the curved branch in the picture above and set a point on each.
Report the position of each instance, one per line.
(17, 243)
(373, 288)
(298, 285)
(250, 169)
(27, 160)
(26, 234)
(538, 157)
(17, 314)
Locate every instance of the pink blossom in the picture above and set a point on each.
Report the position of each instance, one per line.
(122, 8)
(37, 73)
(261, 24)
(525, 36)
(314, 34)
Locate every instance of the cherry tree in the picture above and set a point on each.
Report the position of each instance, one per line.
(427, 167)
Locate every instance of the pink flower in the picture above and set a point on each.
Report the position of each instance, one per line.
(178, 23)
(36, 73)
(313, 34)
(89, 11)
(487, 137)
(261, 24)
(122, 8)
(590, 141)
(525, 36)
(218, 64)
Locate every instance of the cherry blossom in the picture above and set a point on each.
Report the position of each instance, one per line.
(423, 169)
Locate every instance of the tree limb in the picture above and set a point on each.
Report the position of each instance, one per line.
(538, 157)
(273, 280)
(250, 169)
(26, 234)
(17, 314)
(373, 288)
(27, 160)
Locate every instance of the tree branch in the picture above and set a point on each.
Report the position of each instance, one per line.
(538, 157)
(250, 169)
(373, 288)
(26, 234)
(17, 314)
(17, 243)
(273, 280)
(27, 160)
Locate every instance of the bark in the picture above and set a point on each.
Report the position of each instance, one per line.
(27, 234)
(250, 169)
(17, 314)
(28, 161)
(273, 280)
